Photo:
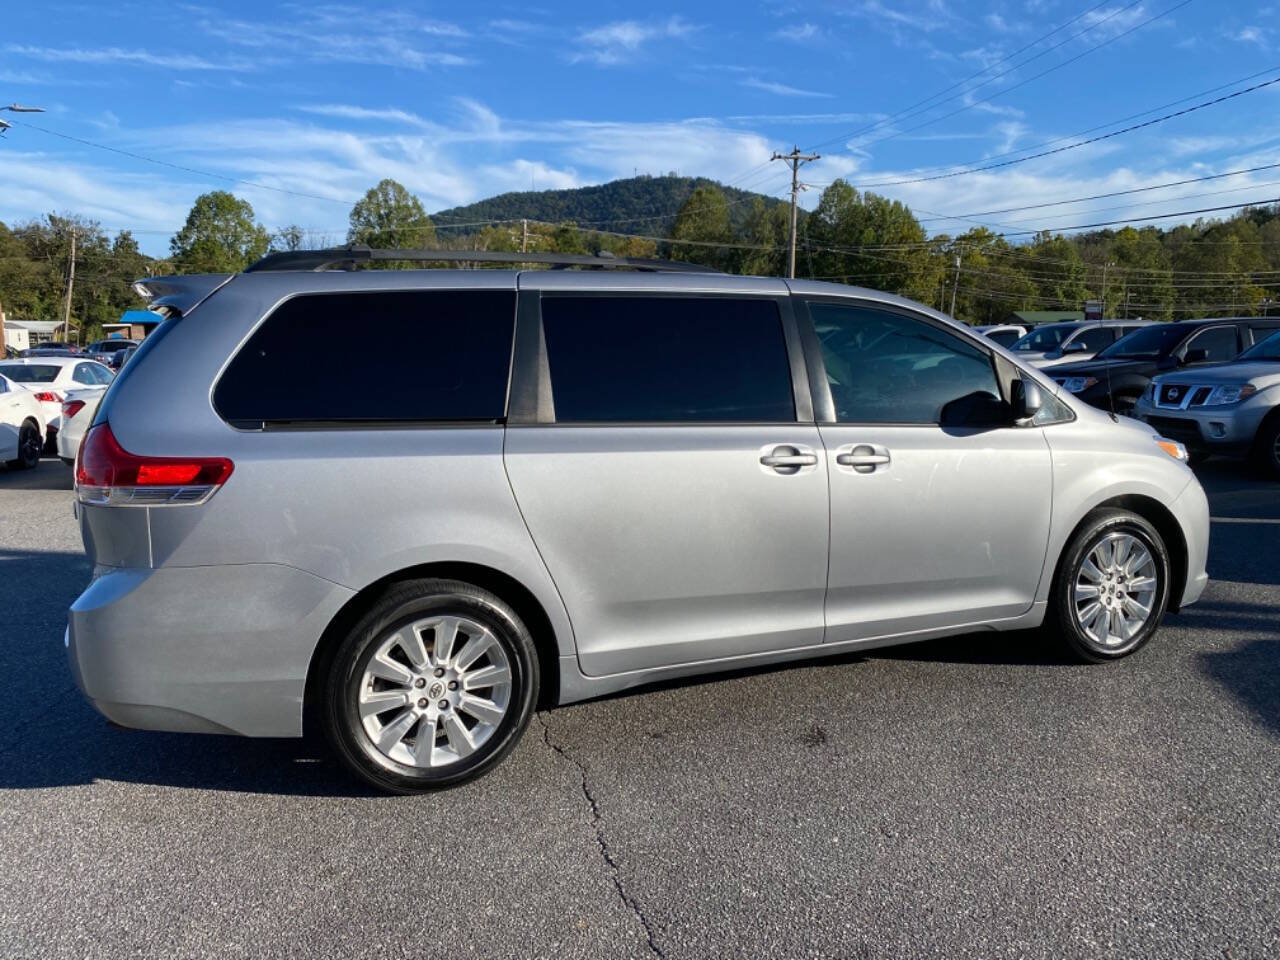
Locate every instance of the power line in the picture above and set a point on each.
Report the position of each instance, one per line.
(1114, 193)
(764, 164)
(992, 79)
(184, 169)
(1032, 79)
(1077, 145)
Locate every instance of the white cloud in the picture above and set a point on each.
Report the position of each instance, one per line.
(105, 55)
(622, 40)
(799, 33)
(895, 17)
(781, 89)
(342, 34)
(1110, 21)
(1254, 35)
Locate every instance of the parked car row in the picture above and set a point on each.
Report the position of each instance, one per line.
(50, 379)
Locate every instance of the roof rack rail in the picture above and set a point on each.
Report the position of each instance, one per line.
(324, 259)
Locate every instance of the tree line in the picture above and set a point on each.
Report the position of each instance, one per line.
(1226, 266)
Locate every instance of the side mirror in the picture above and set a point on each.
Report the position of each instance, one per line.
(1026, 399)
(1074, 347)
(1196, 356)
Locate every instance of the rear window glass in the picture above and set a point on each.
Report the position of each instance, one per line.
(667, 359)
(446, 358)
(30, 372)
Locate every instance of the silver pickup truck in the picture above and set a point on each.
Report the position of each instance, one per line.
(1232, 409)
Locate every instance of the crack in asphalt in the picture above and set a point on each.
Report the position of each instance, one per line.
(597, 823)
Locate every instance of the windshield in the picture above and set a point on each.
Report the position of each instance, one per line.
(30, 372)
(1149, 343)
(1045, 339)
(1268, 349)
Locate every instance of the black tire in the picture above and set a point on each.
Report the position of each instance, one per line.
(401, 605)
(1097, 527)
(29, 445)
(1266, 448)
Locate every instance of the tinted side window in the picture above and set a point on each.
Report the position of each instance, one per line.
(1004, 337)
(84, 374)
(1261, 333)
(1218, 342)
(890, 368)
(450, 359)
(1095, 338)
(667, 359)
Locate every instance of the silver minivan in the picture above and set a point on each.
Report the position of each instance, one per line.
(569, 482)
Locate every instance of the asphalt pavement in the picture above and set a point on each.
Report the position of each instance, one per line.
(973, 797)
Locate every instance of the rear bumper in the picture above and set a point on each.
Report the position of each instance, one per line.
(221, 649)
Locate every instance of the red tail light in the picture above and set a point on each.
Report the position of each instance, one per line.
(71, 407)
(106, 473)
(45, 396)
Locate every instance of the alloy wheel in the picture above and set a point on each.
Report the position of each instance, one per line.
(1115, 590)
(434, 691)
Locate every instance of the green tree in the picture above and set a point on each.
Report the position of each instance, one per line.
(869, 240)
(764, 235)
(390, 217)
(703, 222)
(220, 236)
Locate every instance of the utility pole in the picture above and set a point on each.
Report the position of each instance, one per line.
(71, 280)
(794, 158)
(955, 285)
(524, 236)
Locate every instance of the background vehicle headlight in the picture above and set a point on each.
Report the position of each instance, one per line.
(1079, 384)
(1230, 393)
(1149, 394)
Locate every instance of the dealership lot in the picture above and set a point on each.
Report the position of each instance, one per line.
(971, 797)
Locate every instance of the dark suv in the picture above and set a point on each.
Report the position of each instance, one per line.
(1119, 375)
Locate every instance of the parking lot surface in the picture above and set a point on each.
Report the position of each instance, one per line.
(973, 797)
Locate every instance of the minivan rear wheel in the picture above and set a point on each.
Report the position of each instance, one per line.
(1112, 587)
(432, 687)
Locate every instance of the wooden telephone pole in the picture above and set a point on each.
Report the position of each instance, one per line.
(71, 280)
(794, 158)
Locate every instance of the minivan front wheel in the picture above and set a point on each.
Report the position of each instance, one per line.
(1112, 586)
(432, 687)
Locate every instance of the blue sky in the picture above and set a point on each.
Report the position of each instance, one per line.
(460, 102)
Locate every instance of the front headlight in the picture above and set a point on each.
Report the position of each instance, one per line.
(1149, 394)
(1230, 393)
(1173, 448)
(1079, 384)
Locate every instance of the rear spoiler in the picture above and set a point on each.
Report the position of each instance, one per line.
(179, 294)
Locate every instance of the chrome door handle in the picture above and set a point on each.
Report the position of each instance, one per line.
(788, 459)
(863, 458)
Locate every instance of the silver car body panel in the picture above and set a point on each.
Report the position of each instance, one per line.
(654, 551)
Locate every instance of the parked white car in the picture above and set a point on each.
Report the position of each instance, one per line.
(1053, 343)
(1004, 334)
(78, 409)
(21, 426)
(51, 379)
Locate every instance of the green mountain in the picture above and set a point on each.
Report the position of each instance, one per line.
(640, 205)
